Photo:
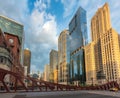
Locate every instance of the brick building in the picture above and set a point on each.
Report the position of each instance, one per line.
(5, 57)
(11, 43)
(14, 44)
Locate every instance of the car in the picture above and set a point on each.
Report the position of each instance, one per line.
(114, 89)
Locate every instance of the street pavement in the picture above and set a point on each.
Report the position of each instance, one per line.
(63, 94)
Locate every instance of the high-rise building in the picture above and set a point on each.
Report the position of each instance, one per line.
(100, 23)
(107, 55)
(12, 27)
(63, 57)
(90, 64)
(53, 63)
(78, 39)
(13, 34)
(46, 72)
(55, 72)
(111, 55)
(27, 59)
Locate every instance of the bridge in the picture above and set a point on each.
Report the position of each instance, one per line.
(44, 86)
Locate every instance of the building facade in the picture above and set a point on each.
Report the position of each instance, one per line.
(53, 63)
(46, 72)
(111, 55)
(90, 64)
(5, 57)
(107, 55)
(27, 59)
(63, 72)
(14, 44)
(12, 27)
(13, 35)
(55, 72)
(78, 39)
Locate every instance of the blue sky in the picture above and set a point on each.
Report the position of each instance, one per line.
(43, 21)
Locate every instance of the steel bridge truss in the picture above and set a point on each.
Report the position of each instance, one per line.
(19, 84)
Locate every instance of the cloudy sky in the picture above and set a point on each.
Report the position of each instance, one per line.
(43, 21)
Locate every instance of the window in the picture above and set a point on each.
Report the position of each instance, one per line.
(2, 60)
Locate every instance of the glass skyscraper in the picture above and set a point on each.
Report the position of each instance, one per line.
(77, 40)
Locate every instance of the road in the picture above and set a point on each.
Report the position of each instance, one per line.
(64, 94)
(81, 95)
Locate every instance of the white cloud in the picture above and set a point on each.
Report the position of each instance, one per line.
(56, 0)
(15, 9)
(42, 4)
(36, 19)
(44, 28)
(68, 6)
(40, 28)
(41, 35)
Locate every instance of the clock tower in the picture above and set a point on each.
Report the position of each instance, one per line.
(14, 44)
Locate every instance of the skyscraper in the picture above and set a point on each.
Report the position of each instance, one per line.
(90, 64)
(78, 39)
(100, 23)
(107, 55)
(62, 57)
(53, 63)
(46, 72)
(27, 59)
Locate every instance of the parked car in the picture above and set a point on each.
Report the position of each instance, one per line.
(114, 89)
